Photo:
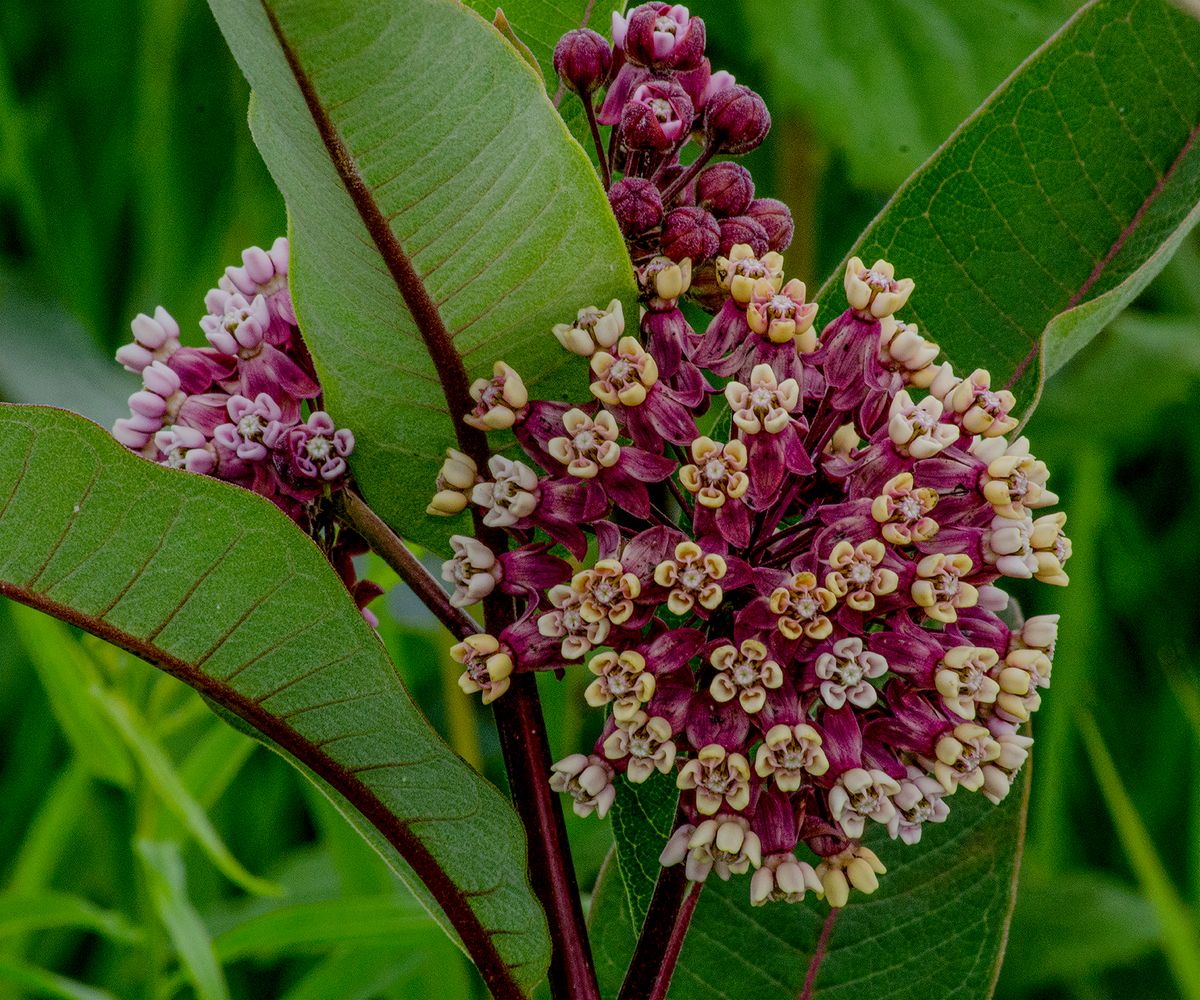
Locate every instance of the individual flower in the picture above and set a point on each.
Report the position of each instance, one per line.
(455, 482)
(802, 607)
(693, 577)
(859, 795)
(788, 753)
(856, 574)
(940, 589)
(782, 878)
(498, 400)
(874, 292)
(845, 672)
(902, 511)
(622, 681)
(717, 778)
(744, 672)
(593, 330)
(643, 743)
(488, 666)
(589, 782)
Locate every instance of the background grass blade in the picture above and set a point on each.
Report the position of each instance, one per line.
(1181, 937)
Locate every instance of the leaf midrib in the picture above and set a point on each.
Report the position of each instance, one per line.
(496, 972)
(452, 373)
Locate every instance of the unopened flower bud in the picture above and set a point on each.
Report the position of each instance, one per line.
(690, 233)
(637, 205)
(741, 229)
(582, 59)
(776, 218)
(736, 120)
(725, 189)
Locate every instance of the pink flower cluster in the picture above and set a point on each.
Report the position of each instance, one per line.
(247, 407)
(795, 613)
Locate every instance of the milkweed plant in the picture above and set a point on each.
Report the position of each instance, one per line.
(771, 527)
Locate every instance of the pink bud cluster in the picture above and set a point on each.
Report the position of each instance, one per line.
(661, 94)
(246, 408)
(795, 613)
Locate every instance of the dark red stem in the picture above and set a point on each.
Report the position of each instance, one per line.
(395, 553)
(526, 751)
(601, 155)
(658, 929)
(689, 175)
(675, 943)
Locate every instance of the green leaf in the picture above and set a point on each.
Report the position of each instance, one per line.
(23, 912)
(934, 930)
(1057, 201)
(320, 926)
(67, 673)
(167, 882)
(887, 83)
(215, 586)
(539, 24)
(643, 818)
(1179, 930)
(161, 776)
(442, 218)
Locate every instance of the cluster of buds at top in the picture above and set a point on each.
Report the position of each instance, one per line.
(246, 407)
(798, 617)
(797, 613)
(660, 93)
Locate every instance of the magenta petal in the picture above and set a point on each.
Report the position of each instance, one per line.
(733, 521)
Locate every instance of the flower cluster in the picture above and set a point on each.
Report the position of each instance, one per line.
(661, 94)
(795, 612)
(246, 408)
(798, 619)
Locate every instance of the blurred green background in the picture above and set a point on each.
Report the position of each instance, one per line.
(128, 178)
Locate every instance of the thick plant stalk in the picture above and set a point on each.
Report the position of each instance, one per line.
(652, 958)
(526, 751)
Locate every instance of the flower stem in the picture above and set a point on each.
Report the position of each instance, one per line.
(391, 548)
(662, 935)
(601, 154)
(683, 896)
(689, 175)
(526, 752)
(814, 966)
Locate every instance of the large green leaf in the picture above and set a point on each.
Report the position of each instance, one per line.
(442, 218)
(216, 587)
(643, 817)
(1057, 201)
(934, 930)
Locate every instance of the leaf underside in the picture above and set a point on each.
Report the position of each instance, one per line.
(934, 930)
(462, 168)
(215, 586)
(1056, 203)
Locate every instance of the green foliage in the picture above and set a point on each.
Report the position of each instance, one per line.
(934, 928)
(1057, 202)
(498, 214)
(642, 817)
(215, 604)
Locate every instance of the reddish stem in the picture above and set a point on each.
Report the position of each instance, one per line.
(526, 751)
(658, 929)
(819, 955)
(675, 943)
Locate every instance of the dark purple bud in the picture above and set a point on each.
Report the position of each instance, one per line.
(776, 218)
(743, 229)
(690, 232)
(582, 60)
(637, 204)
(736, 120)
(664, 37)
(657, 117)
(725, 189)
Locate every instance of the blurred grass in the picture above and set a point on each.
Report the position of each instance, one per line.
(128, 178)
